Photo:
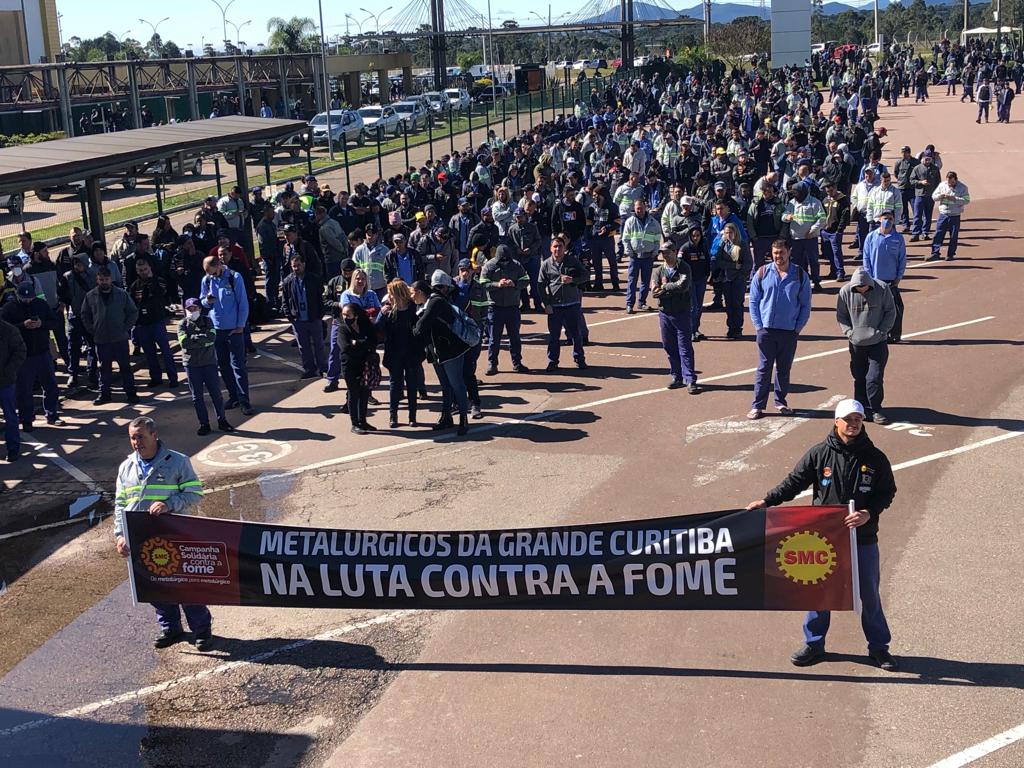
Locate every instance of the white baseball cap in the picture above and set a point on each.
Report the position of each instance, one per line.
(848, 406)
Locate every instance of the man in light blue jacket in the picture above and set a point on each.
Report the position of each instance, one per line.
(223, 294)
(885, 259)
(780, 306)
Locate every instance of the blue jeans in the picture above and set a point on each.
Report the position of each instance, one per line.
(404, 377)
(603, 249)
(153, 338)
(776, 349)
(453, 387)
(872, 618)
(36, 368)
(230, 348)
(950, 224)
(923, 207)
(569, 317)
(9, 406)
(204, 377)
(310, 336)
(334, 358)
(532, 267)
(832, 249)
(168, 616)
(676, 341)
(501, 319)
(643, 268)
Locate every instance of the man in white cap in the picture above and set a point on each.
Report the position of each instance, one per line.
(846, 466)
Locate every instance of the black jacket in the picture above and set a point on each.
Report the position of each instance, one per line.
(840, 472)
(37, 341)
(434, 327)
(391, 265)
(150, 296)
(314, 286)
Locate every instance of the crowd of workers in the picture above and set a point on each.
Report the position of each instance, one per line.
(736, 181)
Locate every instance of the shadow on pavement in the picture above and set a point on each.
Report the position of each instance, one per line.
(929, 416)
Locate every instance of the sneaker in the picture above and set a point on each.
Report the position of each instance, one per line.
(880, 418)
(332, 386)
(373, 400)
(520, 368)
(582, 365)
(646, 308)
(204, 641)
(754, 414)
(101, 400)
(808, 655)
(842, 278)
(698, 336)
(492, 371)
(784, 410)
(675, 384)
(734, 335)
(247, 410)
(474, 411)
(167, 638)
(552, 367)
(12, 456)
(949, 258)
(204, 430)
(230, 405)
(309, 375)
(55, 421)
(884, 660)
(358, 430)
(816, 288)
(344, 408)
(695, 338)
(393, 423)
(368, 426)
(223, 426)
(630, 311)
(933, 257)
(695, 388)
(915, 238)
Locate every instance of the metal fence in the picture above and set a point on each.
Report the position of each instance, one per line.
(49, 215)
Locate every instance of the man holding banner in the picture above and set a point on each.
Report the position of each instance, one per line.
(846, 466)
(156, 480)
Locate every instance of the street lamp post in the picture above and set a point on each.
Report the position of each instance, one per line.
(238, 31)
(376, 17)
(120, 42)
(549, 28)
(153, 26)
(327, 85)
(224, 14)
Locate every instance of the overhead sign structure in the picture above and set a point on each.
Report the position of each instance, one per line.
(781, 558)
(791, 32)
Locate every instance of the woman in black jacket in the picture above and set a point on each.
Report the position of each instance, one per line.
(357, 340)
(403, 354)
(694, 252)
(444, 349)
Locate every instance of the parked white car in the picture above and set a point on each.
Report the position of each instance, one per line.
(641, 61)
(45, 193)
(384, 119)
(458, 98)
(412, 114)
(438, 102)
(493, 93)
(345, 123)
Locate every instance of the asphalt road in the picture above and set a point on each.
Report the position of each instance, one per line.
(352, 688)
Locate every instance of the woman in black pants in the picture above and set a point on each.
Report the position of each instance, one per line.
(357, 339)
(403, 355)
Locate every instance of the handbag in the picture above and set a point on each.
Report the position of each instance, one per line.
(371, 371)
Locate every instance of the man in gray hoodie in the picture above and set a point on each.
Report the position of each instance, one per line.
(866, 312)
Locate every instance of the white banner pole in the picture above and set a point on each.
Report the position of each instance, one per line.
(854, 562)
(131, 571)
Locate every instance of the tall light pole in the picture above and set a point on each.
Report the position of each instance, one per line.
(549, 28)
(120, 42)
(327, 83)
(238, 31)
(359, 24)
(153, 26)
(876, 26)
(223, 13)
(376, 17)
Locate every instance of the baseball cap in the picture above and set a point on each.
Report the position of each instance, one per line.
(929, 153)
(719, 185)
(440, 277)
(905, 148)
(686, 200)
(420, 216)
(848, 406)
(519, 211)
(398, 236)
(27, 290)
(190, 303)
(665, 246)
(289, 228)
(720, 151)
(465, 264)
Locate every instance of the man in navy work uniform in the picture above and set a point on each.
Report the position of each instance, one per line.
(156, 480)
(885, 260)
(846, 465)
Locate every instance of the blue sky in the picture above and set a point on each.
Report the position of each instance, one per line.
(193, 21)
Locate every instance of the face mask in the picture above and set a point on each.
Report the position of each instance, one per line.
(886, 224)
(193, 316)
(17, 271)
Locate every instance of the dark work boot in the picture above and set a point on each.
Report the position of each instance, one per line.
(463, 425)
(807, 655)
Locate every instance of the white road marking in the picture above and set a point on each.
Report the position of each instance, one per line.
(220, 669)
(45, 451)
(991, 745)
(710, 469)
(272, 356)
(25, 531)
(978, 751)
(540, 416)
(245, 453)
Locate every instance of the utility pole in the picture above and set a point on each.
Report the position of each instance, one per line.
(876, 23)
(707, 23)
(967, 14)
(223, 14)
(327, 82)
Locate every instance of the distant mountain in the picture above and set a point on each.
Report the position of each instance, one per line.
(641, 12)
(723, 13)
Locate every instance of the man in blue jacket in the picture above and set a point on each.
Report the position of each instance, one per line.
(780, 306)
(223, 294)
(885, 259)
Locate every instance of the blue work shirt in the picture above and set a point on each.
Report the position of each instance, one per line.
(230, 308)
(885, 256)
(404, 263)
(780, 302)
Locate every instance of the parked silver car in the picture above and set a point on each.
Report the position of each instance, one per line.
(380, 118)
(345, 123)
(414, 114)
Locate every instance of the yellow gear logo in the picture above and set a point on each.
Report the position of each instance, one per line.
(160, 556)
(806, 557)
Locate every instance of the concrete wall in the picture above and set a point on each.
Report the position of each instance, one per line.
(791, 32)
(38, 28)
(13, 45)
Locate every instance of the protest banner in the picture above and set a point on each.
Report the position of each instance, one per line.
(781, 558)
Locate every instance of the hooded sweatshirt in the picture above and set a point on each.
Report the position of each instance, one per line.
(867, 318)
(503, 266)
